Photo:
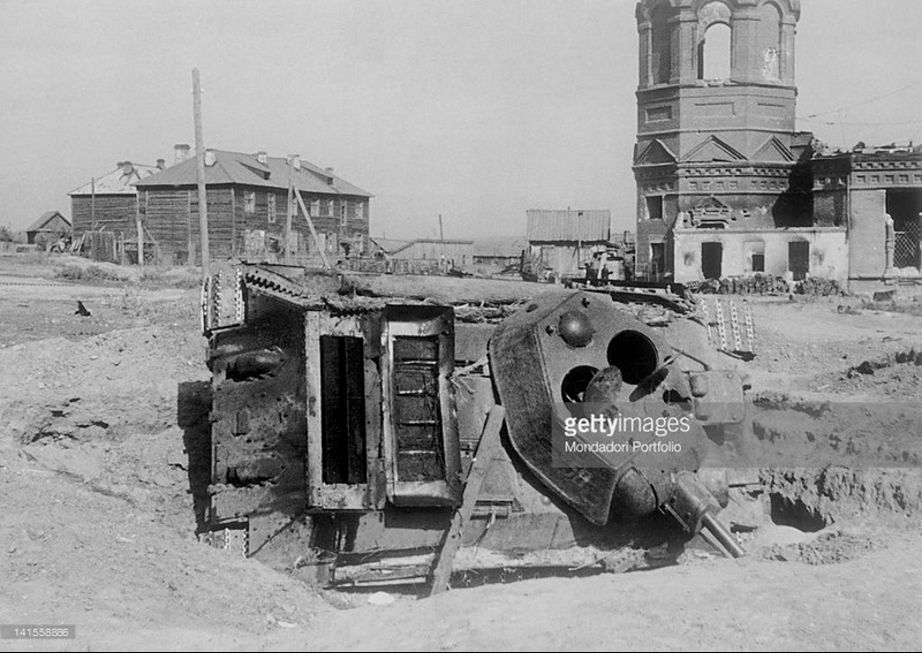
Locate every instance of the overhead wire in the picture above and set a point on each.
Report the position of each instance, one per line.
(863, 102)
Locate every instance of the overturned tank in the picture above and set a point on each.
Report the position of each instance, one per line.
(361, 440)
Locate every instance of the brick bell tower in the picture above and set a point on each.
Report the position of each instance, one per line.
(716, 142)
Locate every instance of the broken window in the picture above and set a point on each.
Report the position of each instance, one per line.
(655, 207)
(661, 48)
(905, 208)
(755, 256)
(769, 38)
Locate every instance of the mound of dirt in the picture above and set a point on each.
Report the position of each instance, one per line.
(827, 548)
(74, 554)
(897, 374)
(789, 431)
(98, 388)
(889, 495)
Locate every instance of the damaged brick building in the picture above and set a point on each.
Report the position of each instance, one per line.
(877, 192)
(726, 185)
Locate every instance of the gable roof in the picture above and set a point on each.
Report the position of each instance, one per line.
(499, 246)
(246, 170)
(44, 219)
(387, 245)
(711, 203)
(568, 225)
(713, 149)
(391, 246)
(773, 150)
(118, 181)
(656, 153)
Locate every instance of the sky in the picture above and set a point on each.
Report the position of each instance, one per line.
(473, 109)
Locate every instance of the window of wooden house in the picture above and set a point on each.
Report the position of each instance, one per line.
(343, 212)
(359, 210)
(315, 207)
(249, 201)
(326, 208)
(270, 202)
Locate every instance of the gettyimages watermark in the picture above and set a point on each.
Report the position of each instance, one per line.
(762, 434)
(596, 435)
(622, 433)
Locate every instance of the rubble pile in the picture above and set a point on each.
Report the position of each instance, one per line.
(898, 358)
(819, 287)
(766, 284)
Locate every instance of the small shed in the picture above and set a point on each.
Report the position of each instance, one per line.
(565, 240)
(49, 227)
(499, 251)
(425, 255)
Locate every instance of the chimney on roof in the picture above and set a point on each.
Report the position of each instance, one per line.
(329, 172)
(180, 152)
(262, 157)
(295, 161)
(125, 167)
(209, 157)
(161, 164)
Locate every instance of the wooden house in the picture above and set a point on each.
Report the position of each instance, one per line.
(109, 202)
(48, 228)
(247, 198)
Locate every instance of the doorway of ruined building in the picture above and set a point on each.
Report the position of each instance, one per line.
(799, 259)
(657, 261)
(712, 260)
(905, 208)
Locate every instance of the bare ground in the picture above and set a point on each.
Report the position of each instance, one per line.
(98, 520)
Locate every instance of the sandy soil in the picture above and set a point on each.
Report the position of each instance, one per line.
(98, 519)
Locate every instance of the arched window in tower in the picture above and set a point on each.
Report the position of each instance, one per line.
(769, 61)
(715, 41)
(714, 53)
(661, 47)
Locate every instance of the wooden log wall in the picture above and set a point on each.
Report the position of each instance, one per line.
(112, 213)
(171, 217)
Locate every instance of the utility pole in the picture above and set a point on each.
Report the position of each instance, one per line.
(291, 208)
(140, 228)
(200, 166)
(441, 231)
